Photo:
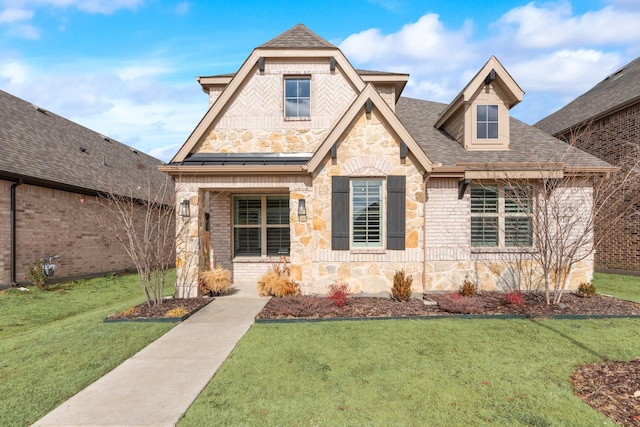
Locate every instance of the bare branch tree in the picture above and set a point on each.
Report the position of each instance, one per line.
(569, 206)
(141, 217)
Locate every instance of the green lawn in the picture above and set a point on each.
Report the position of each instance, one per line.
(626, 287)
(54, 343)
(445, 372)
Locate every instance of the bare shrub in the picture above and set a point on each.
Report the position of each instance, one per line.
(276, 281)
(217, 281)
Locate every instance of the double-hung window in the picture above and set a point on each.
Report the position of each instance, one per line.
(297, 97)
(366, 213)
(261, 225)
(501, 216)
(487, 121)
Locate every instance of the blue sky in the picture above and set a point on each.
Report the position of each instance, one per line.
(127, 68)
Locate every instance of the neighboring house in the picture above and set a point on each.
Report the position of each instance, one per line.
(301, 155)
(51, 169)
(605, 121)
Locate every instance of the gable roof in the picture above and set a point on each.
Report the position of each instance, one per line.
(501, 77)
(617, 91)
(528, 144)
(42, 148)
(250, 65)
(297, 37)
(352, 113)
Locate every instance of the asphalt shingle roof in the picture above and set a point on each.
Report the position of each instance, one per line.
(42, 147)
(528, 144)
(619, 89)
(298, 37)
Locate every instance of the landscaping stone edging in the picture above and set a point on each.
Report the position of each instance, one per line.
(455, 316)
(157, 319)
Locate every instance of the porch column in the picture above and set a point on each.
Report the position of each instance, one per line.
(189, 234)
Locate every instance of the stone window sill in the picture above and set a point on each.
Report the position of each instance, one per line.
(257, 259)
(381, 251)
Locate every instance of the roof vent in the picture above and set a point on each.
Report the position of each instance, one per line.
(616, 74)
(84, 150)
(106, 138)
(134, 150)
(39, 109)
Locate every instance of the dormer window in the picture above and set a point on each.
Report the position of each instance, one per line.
(487, 121)
(297, 97)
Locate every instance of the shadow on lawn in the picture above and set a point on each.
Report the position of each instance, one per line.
(571, 340)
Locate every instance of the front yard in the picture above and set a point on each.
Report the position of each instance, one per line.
(443, 372)
(389, 372)
(54, 343)
(440, 372)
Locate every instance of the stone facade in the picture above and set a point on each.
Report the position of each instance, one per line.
(369, 149)
(53, 222)
(352, 133)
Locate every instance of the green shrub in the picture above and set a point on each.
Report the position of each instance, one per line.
(468, 288)
(587, 290)
(401, 290)
(276, 281)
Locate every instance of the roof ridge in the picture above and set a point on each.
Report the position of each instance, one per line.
(298, 36)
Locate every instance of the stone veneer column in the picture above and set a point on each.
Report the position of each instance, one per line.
(189, 233)
(301, 241)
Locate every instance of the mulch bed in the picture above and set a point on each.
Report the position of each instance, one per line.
(488, 303)
(612, 388)
(146, 312)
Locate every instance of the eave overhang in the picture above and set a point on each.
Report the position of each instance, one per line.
(512, 170)
(176, 170)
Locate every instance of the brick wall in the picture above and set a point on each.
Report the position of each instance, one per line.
(616, 139)
(53, 222)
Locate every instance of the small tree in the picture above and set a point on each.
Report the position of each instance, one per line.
(568, 206)
(141, 217)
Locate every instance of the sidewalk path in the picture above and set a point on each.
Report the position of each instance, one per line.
(157, 385)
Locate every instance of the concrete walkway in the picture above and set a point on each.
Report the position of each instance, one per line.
(157, 385)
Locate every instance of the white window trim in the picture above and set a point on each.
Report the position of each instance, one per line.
(383, 219)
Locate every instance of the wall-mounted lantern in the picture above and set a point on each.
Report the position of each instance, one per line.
(302, 210)
(185, 210)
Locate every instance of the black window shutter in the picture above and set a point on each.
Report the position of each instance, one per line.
(396, 207)
(340, 213)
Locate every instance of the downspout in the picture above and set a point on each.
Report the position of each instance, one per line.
(424, 236)
(13, 232)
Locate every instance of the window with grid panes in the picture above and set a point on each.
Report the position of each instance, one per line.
(487, 121)
(261, 225)
(297, 97)
(366, 213)
(501, 216)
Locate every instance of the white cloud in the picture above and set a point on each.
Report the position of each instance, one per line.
(423, 46)
(136, 71)
(565, 71)
(12, 15)
(15, 72)
(554, 25)
(92, 6)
